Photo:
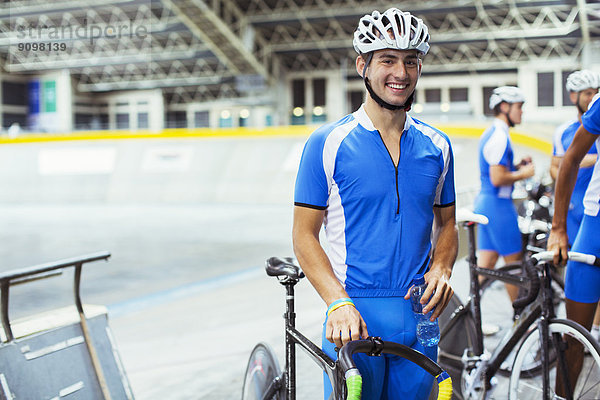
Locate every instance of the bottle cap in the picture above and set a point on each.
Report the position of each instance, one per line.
(418, 280)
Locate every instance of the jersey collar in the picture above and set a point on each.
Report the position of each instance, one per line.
(501, 125)
(363, 119)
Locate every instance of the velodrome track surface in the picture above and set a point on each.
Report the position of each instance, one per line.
(189, 222)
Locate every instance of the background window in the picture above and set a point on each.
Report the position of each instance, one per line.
(142, 120)
(15, 93)
(356, 99)
(487, 92)
(201, 119)
(83, 121)
(458, 95)
(176, 119)
(433, 95)
(122, 121)
(545, 93)
(298, 98)
(319, 93)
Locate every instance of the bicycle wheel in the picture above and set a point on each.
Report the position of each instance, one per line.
(453, 342)
(564, 334)
(262, 369)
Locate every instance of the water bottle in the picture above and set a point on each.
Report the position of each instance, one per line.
(428, 332)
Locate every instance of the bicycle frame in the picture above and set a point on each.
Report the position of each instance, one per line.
(293, 337)
(538, 310)
(519, 329)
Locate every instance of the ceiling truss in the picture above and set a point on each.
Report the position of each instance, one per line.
(195, 49)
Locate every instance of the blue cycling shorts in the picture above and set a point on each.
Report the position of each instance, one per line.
(502, 233)
(574, 217)
(582, 282)
(388, 376)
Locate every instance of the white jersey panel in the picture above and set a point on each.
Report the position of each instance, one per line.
(591, 201)
(336, 236)
(441, 143)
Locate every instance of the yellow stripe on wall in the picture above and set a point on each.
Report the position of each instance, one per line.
(292, 130)
(523, 139)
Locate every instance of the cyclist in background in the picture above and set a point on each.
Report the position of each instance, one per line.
(378, 179)
(582, 86)
(582, 283)
(501, 236)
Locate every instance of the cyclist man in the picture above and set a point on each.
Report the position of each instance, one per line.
(582, 86)
(582, 282)
(378, 179)
(501, 236)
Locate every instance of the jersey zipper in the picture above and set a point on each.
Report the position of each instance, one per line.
(395, 168)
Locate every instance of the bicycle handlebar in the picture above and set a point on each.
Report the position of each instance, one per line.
(534, 287)
(590, 259)
(546, 256)
(375, 347)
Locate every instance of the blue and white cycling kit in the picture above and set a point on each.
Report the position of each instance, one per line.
(378, 220)
(502, 233)
(582, 281)
(563, 136)
(378, 216)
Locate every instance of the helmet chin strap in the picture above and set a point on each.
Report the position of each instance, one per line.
(579, 108)
(511, 124)
(382, 103)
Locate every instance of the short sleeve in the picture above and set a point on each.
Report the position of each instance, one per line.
(591, 119)
(558, 149)
(497, 150)
(312, 188)
(447, 193)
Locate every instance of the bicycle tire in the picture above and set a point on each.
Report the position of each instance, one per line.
(524, 385)
(261, 371)
(453, 343)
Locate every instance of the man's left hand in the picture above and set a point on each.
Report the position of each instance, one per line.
(438, 292)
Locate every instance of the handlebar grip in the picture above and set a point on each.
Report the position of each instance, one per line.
(534, 286)
(444, 386)
(354, 385)
(546, 256)
(584, 258)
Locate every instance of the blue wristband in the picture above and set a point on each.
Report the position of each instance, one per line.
(338, 301)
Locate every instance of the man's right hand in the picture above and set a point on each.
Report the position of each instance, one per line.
(558, 242)
(527, 170)
(345, 324)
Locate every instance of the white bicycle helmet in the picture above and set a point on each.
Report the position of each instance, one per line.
(393, 29)
(581, 80)
(507, 94)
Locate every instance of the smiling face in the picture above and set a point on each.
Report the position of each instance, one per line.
(393, 74)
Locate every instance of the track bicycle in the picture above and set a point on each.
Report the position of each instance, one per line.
(535, 367)
(493, 297)
(264, 380)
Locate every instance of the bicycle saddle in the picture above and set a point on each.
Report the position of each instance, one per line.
(277, 266)
(466, 215)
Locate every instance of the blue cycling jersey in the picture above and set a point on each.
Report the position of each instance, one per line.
(378, 217)
(495, 149)
(591, 122)
(563, 136)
